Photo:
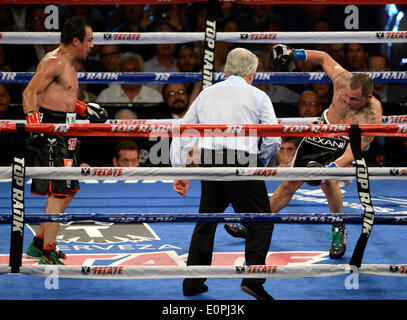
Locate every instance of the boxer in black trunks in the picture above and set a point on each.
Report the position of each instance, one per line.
(352, 103)
(54, 87)
(319, 151)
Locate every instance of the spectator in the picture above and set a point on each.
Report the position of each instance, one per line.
(91, 14)
(387, 92)
(135, 21)
(321, 25)
(24, 57)
(126, 154)
(174, 15)
(164, 58)
(125, 114)
(197, 17)
(356, 57)
(337, 52)
(109, 54)
(176, 99)
(285, 155)
(223, 48)
(309, 106)
(187, 59)
(130, 62)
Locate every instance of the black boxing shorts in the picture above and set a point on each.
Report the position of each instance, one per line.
(54, 151)
(323, 150)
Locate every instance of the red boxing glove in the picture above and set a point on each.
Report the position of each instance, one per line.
(33, 117)
(80, 107)
(93, 111)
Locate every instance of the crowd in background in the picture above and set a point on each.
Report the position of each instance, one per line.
(173, 100)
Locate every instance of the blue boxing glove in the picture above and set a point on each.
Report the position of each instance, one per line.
(332, 165)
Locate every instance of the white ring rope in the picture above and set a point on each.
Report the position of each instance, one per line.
(151, 272)
(197, 173)
(237, 37)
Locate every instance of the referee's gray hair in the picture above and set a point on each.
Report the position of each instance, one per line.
(130, 56)
(240, 62)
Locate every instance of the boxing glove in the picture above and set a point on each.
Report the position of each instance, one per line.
(32, 117)
(282, 56)
(34, 140)
(92, 111)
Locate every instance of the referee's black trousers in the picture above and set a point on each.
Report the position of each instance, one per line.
(245, 197)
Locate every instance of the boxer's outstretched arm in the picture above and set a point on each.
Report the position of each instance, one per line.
(330, 66)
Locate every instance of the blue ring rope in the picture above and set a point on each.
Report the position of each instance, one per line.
(188, 77)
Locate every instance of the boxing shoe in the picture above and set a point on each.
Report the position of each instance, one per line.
(339, 236)
(49, 255)
(236, 230)
(192, 287)
(34, 252)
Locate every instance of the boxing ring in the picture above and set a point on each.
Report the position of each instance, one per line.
(127, 230)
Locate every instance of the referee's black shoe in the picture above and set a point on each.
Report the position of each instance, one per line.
(257, 291)
(236, 230)
(338, 247)
(190, 287)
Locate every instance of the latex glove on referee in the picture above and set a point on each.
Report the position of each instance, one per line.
(282, 56)
(91, 111)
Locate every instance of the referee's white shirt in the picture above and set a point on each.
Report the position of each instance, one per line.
(232, 101)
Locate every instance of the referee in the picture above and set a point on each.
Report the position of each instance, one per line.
(233, 101)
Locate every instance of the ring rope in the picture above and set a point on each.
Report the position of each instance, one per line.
(236, 37)
(161, 272)
(209, 130)
(392, 119)
(394, 218)
(188, 77)
(198, 173)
